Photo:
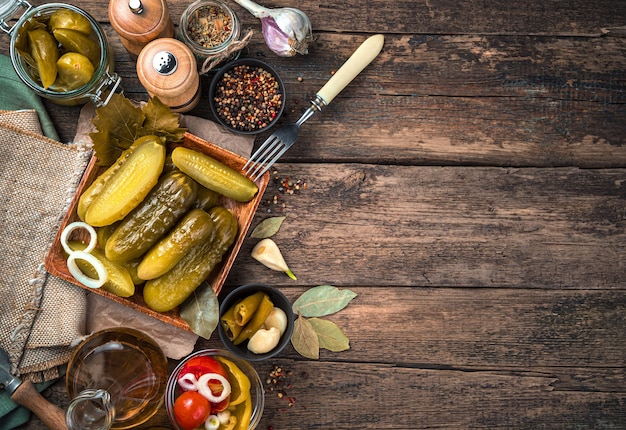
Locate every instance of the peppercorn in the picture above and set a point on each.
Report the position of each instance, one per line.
(248, 98)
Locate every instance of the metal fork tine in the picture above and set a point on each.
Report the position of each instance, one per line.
(269, 153)
(261, 154)
(272, 161)
(255, 157)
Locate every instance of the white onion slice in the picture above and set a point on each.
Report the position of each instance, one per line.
(205, 390)
(188, 382)
(103, 275)
(93, 237)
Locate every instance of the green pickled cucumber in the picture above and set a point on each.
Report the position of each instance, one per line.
(74, 71)
(43, 49)
(132, 266)
(119, 283)
(71, 20)
(206, 198)
(98, 185)
(159, 211)
(126, 188)
(171, 289)
(214, 175)
(194, 228)
(75, 41)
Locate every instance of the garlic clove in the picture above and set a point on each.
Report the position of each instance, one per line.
(264, 341)
(267, 253)
(276, 319)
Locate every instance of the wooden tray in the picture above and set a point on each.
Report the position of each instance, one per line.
(55, 262)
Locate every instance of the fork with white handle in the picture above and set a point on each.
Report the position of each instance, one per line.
(283, 138)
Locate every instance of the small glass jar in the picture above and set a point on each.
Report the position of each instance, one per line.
(216, 43)
(104, 81)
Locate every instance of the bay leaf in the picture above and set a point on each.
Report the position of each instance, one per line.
(268, 227)
(322, 300)
(330, 336)
(201, 311)
(304, 339)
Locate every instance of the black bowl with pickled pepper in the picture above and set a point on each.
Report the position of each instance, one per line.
(238, 342)
(247, 96)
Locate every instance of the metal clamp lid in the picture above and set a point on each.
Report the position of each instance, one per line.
(8, 11)
(109, 83)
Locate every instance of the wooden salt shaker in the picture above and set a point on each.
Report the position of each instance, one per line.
(140, 21)
(167, 68)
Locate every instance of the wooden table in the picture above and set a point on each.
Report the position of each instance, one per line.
(470, 187)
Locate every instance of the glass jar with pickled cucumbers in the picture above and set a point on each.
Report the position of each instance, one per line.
(60, 52)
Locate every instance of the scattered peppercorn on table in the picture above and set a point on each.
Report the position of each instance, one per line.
(470, 187)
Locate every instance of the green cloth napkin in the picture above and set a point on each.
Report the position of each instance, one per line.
(15, 95)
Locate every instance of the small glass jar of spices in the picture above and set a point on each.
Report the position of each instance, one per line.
(211, 30)
(60, 52)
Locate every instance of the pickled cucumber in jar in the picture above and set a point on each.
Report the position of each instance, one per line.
(74, 71)
(75, 41)
(44, 51)
(69, 20)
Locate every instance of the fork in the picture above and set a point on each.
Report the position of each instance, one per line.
(283, 138)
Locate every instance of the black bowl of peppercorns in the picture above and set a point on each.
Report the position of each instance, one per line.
(247, 96)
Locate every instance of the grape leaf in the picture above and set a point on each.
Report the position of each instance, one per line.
(322, 300)
(117, 123)
(120, 123)
(201, 311)
(330, 336)
(268, 227)
(160, 120)
(304, 339)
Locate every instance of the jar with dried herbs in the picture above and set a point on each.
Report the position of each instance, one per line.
(210, 29)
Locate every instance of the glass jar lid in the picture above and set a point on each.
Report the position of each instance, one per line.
(9, 10)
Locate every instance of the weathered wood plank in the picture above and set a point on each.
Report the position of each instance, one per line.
(449, 226)
(456, 358)
(559, 17)
(391, 397)
(486, 329)
(507, 101)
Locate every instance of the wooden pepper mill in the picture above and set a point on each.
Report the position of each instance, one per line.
(167, 68)
(139, 22)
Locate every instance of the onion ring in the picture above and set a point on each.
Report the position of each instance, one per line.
(103, 275)
(205, 390)
(188, 382)
(93, 237)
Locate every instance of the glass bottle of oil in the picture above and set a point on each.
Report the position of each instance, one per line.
(123, 364)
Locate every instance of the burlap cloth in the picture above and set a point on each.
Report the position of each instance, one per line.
(42, 317)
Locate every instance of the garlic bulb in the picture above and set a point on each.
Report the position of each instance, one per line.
(287, 31)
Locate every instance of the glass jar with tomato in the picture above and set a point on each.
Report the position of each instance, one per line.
(214, 389)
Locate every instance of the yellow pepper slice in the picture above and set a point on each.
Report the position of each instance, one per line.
(243, 412)
(245, 309)
(264, 309)
(231, 328)
(239, 383)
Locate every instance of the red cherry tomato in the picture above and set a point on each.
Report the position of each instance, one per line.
(191, 410)
(200, 365)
